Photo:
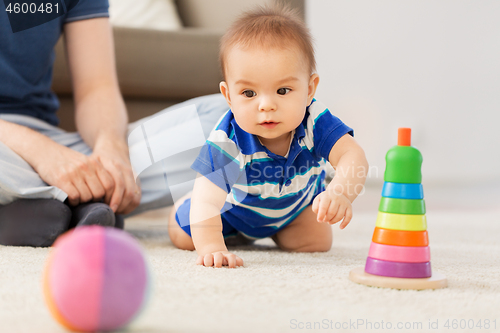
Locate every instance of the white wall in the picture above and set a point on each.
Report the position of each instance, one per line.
(433, 66)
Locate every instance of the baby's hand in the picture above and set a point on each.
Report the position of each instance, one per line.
(219, 259)
(332, 208)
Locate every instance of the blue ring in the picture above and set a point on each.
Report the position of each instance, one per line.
(403, 191)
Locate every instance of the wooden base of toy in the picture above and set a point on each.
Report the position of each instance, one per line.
(436, 281)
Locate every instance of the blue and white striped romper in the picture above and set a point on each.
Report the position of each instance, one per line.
(266, 191)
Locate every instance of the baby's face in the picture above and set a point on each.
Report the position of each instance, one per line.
(268, 90)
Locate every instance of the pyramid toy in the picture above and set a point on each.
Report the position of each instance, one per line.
(399, 255)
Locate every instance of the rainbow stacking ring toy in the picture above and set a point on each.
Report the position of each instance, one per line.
(399, 255)
(95, 279)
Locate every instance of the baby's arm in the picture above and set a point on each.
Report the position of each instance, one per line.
(351, 166)
(206, 225)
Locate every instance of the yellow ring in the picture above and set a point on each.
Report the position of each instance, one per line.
(401, 222)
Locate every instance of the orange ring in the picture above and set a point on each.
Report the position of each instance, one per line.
(400, 237)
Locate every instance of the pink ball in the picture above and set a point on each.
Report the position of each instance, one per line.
(95, 279)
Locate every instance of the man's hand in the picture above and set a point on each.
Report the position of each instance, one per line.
(106, 174)
(219, 259)
(332, 208)
(83, 178)
(126, 194)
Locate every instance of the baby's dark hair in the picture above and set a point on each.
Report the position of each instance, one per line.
(269, 27)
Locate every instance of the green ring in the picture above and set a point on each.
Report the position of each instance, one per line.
(402, 206)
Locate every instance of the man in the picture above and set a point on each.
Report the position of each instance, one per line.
(51, 180)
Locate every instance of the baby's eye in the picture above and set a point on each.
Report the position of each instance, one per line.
(249, 93)
(283, 91)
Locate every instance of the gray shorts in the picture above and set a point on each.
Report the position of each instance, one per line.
(19, 180)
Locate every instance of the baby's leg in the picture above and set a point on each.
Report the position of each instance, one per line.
(178, 236)
(305, 234)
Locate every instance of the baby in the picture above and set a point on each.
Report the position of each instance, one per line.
(261, 171)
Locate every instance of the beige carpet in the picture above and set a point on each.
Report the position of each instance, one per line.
(284, 292)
